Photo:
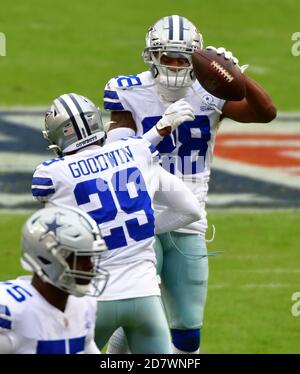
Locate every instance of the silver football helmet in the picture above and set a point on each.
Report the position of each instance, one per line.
(175, 37)
(72, 122)
(63, 246)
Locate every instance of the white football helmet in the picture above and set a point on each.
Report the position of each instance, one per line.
(72, 122)
(55, 241)
(175, 37)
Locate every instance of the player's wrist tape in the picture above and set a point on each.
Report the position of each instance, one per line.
(153, 136)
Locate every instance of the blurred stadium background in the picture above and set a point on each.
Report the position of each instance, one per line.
(55, 47)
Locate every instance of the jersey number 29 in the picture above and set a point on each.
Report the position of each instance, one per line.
(123, 199)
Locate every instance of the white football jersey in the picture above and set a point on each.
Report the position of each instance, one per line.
(188, 152)
(115, 184)
(35, 326)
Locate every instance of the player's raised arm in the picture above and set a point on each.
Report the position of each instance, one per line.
(257, 106)
(182, 206)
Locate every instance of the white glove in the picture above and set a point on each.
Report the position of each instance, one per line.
(228, 56)
(175, 114)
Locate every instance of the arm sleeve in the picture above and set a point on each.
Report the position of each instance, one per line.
(182, 206)
(42, 184)
(153, 136)
(114, 99)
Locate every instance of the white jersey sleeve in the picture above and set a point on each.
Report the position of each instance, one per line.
(182, 207)
(112, 101)
(43, 185)
(120, 92)
(10, 312)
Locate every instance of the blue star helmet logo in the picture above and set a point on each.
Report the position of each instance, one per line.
(52, 227)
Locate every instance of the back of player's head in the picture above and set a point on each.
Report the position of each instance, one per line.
(72, 122)
(63, 246)
(174, 37)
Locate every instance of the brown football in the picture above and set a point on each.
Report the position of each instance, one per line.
(220, 77)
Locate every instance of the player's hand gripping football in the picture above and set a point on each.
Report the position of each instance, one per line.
(228, 56)
(177, 113)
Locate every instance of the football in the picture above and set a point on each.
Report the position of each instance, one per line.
(220, 77)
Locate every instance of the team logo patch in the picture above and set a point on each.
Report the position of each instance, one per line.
(209, 100)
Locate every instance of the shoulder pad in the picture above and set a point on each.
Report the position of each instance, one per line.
(52, 161)
(12, 296)
(42, 184)
(116, 89)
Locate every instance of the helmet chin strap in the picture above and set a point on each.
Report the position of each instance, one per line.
(82, 288)
(171, 95)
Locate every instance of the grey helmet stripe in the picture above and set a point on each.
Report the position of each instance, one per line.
(180, 28)
(170, 27)
(72, 118)
(82, 116)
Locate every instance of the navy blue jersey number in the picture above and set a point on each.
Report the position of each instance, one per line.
(19, 293)
(191, 138)
(120, 200)
(128, 80)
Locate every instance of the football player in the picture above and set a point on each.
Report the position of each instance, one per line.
(116, 184)
(50, 313)
(137, 103)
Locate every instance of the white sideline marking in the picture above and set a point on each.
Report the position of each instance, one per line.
(274, 271)
(269, 285)
(220, 199)
(13, 199)
(279, 125)
(20, 162)
(260, 143)
(255, 285)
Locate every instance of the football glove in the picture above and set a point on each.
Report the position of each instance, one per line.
(228, 56)
(177, 113)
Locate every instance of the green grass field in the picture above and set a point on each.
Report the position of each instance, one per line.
(74, 46)
(251, 283)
